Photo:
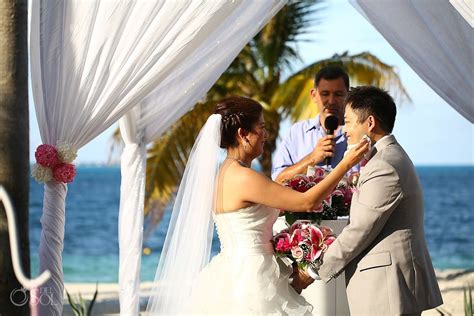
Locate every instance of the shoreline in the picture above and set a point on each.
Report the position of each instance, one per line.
(451, 283)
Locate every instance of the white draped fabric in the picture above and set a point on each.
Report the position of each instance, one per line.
(434, 39)
(91, 62)
(191, 79)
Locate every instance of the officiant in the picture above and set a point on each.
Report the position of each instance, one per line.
(308, 142)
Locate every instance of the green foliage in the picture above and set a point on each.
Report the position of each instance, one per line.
(468, 301)
(79, 307)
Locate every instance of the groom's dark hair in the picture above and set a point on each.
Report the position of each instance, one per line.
(369, 100)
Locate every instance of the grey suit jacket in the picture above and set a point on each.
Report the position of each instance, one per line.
(383, 250)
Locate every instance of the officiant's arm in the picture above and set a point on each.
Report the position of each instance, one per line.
(379, 194)
(324, 148)
(259, 189)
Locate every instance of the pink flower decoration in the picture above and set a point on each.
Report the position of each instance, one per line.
(328, 200)
(316, 235)
(282, 242)
(297, 253)
(319, 209)
(64, 172)
(297, 237)
(326, 231)
(319, 172)
(328, 241)
(46, 156)
(348, 196)
(314, 253)
(337, 193)
(299, 224)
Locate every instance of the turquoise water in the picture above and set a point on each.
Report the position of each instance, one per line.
(91, 244)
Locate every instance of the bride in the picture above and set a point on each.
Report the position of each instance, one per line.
(244, 278)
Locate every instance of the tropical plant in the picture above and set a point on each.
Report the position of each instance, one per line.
(468, 301)
(79, 307)
(258, 72)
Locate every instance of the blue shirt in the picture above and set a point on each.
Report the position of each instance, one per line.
(301, 141)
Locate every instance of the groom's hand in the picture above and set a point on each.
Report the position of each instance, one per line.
(324, 148)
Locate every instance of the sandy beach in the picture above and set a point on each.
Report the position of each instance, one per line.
(451, 283)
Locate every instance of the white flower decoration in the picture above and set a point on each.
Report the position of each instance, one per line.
(66, 152)
(41, 174)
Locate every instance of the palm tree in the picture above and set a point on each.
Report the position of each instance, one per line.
(257, 73)
(14, 146)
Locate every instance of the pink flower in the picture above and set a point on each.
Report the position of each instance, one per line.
(315, 252)
(328, 241)
(299, 224)
(319, 172)
(64, 172)
(337, 193)
(297, 253)
(328, 200)
(282, 242)
(46, 155)
(316, 179)
(319, 209)
(348, 196)
(326, 231)
(297, 237)
(316, 235)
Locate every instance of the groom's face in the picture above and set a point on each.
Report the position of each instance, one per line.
(353, 129)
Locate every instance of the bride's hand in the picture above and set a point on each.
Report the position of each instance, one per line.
(356, 154)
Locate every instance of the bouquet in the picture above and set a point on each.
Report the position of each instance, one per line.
(304, 244)
(336, 204)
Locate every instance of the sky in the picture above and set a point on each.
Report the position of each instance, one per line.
(430, 130)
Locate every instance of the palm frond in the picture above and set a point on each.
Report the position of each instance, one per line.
(167, 156)
(274, 46)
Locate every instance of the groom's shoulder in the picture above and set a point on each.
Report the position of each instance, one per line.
(395, 156)
(391, 160)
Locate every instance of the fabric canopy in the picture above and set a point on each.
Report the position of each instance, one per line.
(434, 39)
(92, 62)
(191, 78)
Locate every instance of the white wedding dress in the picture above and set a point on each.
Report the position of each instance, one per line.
(245, 278)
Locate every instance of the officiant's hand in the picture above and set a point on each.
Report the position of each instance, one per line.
(324, 148)
(301, 279)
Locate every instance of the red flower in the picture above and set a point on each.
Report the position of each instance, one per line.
(64, 172)
(46, 156)
(282, 242)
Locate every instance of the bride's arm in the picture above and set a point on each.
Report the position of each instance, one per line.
(259, 189)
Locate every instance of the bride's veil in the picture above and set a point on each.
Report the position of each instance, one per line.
(188, 242)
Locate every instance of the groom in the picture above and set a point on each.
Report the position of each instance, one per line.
(383, 250)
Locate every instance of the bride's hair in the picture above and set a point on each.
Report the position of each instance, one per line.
(237, 112)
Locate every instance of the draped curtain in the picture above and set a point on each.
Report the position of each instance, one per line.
(171, 99)
(92, 62)
(434, 39)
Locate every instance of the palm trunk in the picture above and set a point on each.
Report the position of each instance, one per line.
(14, 147)
(272, 122)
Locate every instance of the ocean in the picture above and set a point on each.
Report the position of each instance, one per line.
(91, 243)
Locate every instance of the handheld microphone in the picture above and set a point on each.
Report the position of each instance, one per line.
(330, 123)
